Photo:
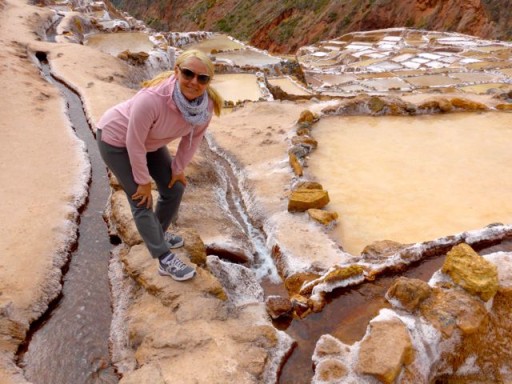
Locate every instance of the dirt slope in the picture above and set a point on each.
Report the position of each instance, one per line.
(284, 26)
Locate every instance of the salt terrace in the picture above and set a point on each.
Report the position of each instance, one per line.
(406, 60)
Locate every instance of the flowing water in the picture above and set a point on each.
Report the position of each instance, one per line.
(70, 343)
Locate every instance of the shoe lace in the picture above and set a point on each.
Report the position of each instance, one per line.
(177, 263)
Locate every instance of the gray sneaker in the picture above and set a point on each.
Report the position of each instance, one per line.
(171, 265)
(173, 241)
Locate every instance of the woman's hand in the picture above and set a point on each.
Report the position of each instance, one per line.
(144, 195)
(179, 177)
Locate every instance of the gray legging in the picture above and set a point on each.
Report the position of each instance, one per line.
(151, 225)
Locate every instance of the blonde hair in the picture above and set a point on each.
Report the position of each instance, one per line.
(218, 102)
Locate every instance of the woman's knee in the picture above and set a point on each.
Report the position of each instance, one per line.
(177, 190)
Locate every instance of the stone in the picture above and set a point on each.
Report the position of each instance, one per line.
(294, 283)
(303, 199)
(300, 306)
(303, 131)
(321, 216)
(330, 371)
(306, 116)
(299, 150)
(328, 346)
(278, 306)
(448, 310)
(408, 293)
(342, 273)
(376, 104)
(295, 164)
(134, 58)
(467, 104)
(471, 271)
(439, 104)
(305, 140)
(385, 350)
(504, 107)
(381, 249)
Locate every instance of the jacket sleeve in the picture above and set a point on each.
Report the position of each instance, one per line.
(187, 147)
(142, 116)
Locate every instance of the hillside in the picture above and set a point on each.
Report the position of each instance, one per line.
(284, 26)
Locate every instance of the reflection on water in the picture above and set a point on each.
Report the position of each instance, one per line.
(115, 43)
(413, 179)
(237, 86)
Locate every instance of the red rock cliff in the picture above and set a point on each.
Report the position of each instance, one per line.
(284, 26)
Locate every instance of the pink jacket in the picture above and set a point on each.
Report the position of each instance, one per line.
(148, 121)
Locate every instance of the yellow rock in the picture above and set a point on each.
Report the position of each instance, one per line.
(303, 199)
(321, 216)
(471, 271)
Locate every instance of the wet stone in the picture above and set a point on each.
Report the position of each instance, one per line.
(408, 293)
(278, 306)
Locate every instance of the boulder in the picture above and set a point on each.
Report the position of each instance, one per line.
(385, 350)
(471, 271)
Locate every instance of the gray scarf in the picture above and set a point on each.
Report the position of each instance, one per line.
(194, 112)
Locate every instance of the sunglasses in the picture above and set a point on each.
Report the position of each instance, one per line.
(189, 75)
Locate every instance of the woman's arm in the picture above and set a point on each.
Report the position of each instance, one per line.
(142, 116)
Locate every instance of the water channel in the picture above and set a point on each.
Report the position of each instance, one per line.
(70, 343)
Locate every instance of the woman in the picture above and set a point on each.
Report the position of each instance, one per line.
(133, 136)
